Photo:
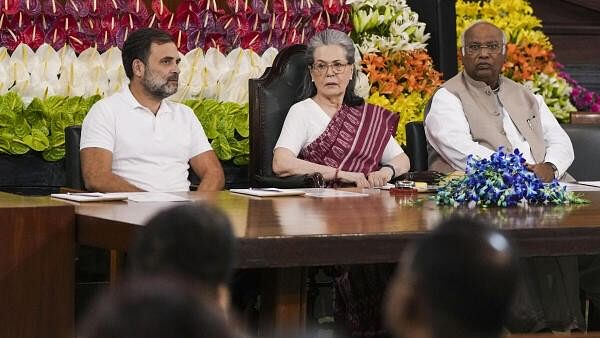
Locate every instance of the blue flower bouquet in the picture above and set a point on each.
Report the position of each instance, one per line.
(503, 181)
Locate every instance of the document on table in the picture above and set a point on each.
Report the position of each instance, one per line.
(268, 192)
(326, 193)
(582, 186)
(90, 196)
(154, 197)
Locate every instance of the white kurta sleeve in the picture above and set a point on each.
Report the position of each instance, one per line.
(448, 132)
(559, 150)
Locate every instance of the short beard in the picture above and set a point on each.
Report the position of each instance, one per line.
(156, 87)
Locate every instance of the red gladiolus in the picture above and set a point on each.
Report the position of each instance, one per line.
(240, 6)
(138, 8)
(33, 36)
(110, 22)
(10, 7)
(53, 8)
(180, 38)
(333, 6)
(160, 9)
(10, 39)
(186, 15)
(31, 7)
(104, 40)
(56, 37)
(253, 41)
(79, 42)
(215, 40)
(91, 25)
(76, 8)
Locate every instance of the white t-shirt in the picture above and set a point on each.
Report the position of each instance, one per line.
(306, 121)
(149, 151)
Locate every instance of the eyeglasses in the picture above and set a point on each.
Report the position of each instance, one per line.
(322, 67)
(493, 48)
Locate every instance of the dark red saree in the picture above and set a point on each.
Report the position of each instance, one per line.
(354, 140)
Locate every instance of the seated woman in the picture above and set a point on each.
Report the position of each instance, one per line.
(333, 131)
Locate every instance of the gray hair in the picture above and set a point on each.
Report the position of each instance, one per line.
(329, 37)
(476, 23)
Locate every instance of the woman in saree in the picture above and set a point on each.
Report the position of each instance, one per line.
(333, 131)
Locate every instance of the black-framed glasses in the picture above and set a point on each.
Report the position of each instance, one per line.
(476, 48)
(322, 67)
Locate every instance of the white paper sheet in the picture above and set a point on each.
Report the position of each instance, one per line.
(326, 193)
(155, 197)
(581, 186)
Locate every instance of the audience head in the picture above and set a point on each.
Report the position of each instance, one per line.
(192, 241)
(483, 52)
(151, 59)
(458, 281)
(153, 308)
(330, 56)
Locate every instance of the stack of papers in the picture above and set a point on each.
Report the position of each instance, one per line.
(121, 196)
(91, 196)
(268, 192)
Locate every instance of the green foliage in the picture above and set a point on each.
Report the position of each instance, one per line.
(226, 125)
(41, 125)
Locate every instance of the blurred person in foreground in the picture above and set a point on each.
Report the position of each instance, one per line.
(154, 308)
(194, 242)
(458, 281)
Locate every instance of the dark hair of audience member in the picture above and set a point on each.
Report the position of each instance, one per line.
(192, 241)
(464, 273)
(138, 45)
(153, 308)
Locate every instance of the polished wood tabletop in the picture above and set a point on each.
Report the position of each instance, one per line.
(305, 231)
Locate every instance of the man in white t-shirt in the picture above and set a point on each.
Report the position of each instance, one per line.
(135, 140)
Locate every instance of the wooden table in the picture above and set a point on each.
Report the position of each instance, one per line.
(37, 267)
(291, 233)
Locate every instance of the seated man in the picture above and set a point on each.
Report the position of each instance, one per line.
(135, 140)
(479, 110)
(458, 281)
(193, 242)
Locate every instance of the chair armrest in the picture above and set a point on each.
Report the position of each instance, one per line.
(297, 181)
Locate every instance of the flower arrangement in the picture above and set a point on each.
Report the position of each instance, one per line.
(529, 57)
(503, 181)
(583, 99)
(386, 25)
(224, 25)
(524, 61)
(556, 92)
(401, 82)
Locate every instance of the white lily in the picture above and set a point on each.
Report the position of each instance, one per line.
(117, 80)
(112, 59)
(4, 67)
(19, 76)
(73, 79)
(268, 57)
(362, 86)
(25, 55)
(215, 65)
(190, 84)
(235, 89)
